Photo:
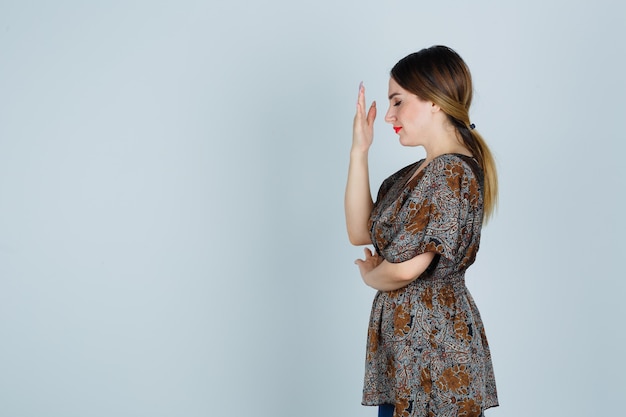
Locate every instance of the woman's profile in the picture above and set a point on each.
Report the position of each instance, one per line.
(427, 352)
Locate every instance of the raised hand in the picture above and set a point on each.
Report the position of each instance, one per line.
(363, 127)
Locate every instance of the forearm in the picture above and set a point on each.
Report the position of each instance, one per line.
(358, 199)
(389, 276)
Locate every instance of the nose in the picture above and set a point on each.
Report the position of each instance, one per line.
(390, 116)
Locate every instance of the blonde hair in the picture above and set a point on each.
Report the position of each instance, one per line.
(440, 75)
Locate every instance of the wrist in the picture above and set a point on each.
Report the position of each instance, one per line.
(357, 152)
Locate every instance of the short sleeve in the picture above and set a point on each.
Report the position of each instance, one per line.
(432, 217)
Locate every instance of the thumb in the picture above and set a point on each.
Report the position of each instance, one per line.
(371, 114)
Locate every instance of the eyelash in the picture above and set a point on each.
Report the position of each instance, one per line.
(397, 103)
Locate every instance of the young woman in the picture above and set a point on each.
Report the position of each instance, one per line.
(427, 353)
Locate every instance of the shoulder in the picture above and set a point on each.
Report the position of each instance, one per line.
(455, 169)
(454, 178)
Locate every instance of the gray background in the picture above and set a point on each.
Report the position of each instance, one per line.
(172, 240)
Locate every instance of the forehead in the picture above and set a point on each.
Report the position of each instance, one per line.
(394, 88)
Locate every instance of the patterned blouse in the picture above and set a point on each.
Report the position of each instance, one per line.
(427, 352)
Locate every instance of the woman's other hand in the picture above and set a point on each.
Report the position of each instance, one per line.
(363, 127)
(371, 261)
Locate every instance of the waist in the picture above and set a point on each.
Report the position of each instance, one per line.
(455, 280)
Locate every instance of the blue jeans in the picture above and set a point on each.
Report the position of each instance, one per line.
(386, 410)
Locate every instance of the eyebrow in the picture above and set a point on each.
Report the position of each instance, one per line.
(393, 95)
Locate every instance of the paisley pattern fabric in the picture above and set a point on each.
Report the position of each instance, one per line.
(427, 352)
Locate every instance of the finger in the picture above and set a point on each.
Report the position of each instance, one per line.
(368, 253)
(359, 111)
(361, 97)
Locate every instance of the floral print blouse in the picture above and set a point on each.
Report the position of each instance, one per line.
(427, 352)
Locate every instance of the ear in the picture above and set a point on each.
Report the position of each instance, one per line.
(434, 108)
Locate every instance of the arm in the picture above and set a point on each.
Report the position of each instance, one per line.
(386, 276)
(358, 199)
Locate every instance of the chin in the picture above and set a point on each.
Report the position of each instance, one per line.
(408, 143)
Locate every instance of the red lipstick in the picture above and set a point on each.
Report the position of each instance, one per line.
(397, 128)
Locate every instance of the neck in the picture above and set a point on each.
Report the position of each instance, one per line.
(449, 142)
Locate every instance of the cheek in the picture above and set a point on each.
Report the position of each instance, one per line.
(402, 116)
(409, 118)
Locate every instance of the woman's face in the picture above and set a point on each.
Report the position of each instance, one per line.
(410, 116)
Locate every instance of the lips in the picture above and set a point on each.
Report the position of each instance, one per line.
(397, 128)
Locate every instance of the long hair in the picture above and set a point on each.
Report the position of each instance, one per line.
(440, 75)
